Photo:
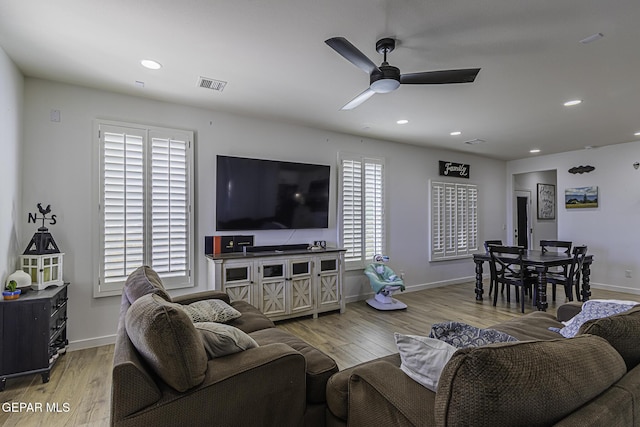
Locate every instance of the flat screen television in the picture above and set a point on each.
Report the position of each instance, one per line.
(256, 194)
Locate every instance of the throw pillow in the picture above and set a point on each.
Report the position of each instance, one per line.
(167, 340)
(423, 358)
(142, 281)
(461, 335)
(211, 310)
(593, 309)
(220, 339)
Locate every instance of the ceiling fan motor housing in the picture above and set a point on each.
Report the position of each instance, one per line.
(387, 80)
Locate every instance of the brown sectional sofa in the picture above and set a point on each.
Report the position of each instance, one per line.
(592, 379)
(164, 377)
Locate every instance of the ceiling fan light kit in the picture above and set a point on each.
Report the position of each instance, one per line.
(387, 78)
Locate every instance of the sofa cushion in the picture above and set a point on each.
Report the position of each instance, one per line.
(319, 366)
(593, 309)
(144, 280)
(423, 358)
(251, 320)
(211, 310)
(167, 340)
(537, 381)
(220, 339)
(621, 331)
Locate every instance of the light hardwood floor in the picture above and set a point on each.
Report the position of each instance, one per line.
(81, 380)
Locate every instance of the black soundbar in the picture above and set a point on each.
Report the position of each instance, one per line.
(293, 247)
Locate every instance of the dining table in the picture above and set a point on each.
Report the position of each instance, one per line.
(540, 262)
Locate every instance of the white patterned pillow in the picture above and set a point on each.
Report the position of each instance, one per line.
(211, 310)
(594, 309)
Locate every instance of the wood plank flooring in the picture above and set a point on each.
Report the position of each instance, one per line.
(80, 382)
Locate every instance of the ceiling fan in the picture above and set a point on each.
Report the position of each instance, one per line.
(387, 78)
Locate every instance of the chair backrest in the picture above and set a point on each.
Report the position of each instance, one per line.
(558, 244)
(506, 261)
(579, 253)
(488, 243)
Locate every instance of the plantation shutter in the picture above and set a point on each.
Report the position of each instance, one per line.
(352, 210)
(145, 205)
(123, 203)
(453, 220)
(362, 209)
(374, 210)
(169, 206)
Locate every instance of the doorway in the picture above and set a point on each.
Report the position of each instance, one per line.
(523, 230)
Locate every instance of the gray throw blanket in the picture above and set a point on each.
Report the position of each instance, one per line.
(461, 335)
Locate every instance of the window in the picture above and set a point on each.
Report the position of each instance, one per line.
(453, 220)
(362, 209)
(144, 204)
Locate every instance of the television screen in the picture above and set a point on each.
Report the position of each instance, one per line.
(255, 194)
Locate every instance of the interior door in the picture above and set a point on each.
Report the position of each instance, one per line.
(523, 231)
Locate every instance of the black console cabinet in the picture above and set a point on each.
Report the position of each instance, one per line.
(34, 333)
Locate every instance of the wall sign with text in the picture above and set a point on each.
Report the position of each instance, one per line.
(458, 170)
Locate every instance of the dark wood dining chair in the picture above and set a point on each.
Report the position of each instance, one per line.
(488, 243)
(560, 246)
(570, 279)
(508, 269)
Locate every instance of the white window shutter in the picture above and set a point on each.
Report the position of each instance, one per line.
(123, 203)
(352, 210)
(453, 220)
(144, 204)
(362, 209)
(169, 206)
(374, 209)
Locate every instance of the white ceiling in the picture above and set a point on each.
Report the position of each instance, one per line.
(273, 56)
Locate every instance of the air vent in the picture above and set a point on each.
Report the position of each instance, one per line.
(207, 83)
(475, 141)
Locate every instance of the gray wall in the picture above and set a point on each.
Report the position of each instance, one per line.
(611, 230)
(65, 178)
(11, 124)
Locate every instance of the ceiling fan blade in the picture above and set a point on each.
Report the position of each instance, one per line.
(440, 77)
(368, 93)
(352, 54)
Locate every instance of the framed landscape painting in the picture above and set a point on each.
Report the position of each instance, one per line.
(581, 197)
(546, 201)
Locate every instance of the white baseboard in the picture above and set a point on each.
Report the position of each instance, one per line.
(418, 287)
(615, 288)
(91, 342)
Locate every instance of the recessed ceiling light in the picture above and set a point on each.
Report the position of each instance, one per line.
(402, 122)
(151, 64)
(535, 150)
(455, 133)
(573, 102)
(637, 134)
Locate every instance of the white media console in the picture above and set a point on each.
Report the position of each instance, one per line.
(281, 284)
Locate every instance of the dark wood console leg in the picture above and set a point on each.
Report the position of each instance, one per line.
(3, 383)
(45, 377)
(479, 290)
